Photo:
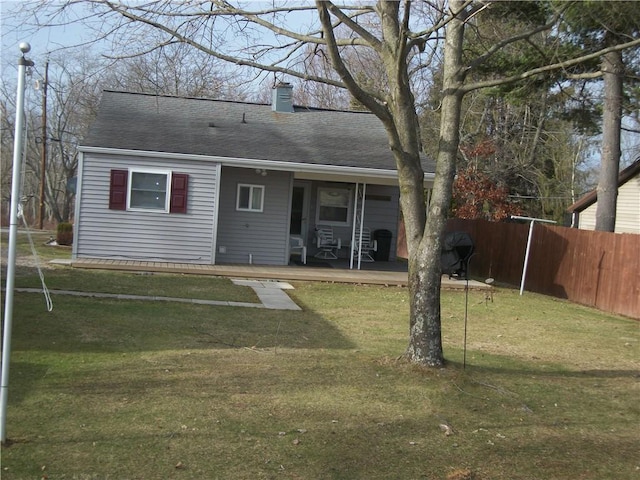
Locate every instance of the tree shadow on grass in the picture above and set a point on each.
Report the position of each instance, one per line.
(106, 325)
(539, 369)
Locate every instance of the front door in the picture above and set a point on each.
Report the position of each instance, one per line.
(299, 224)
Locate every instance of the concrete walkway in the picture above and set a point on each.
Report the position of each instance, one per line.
(271, 296)
(270, 293)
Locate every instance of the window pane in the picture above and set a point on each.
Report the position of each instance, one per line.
(149, 181)
(334, 198)
(333, 214)
(256, 199)
(142, 199)
(334, 205)
(243, 197)
(148, 190)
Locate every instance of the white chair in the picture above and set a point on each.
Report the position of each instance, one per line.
(297, 247)
(367, 246)
(327, 243)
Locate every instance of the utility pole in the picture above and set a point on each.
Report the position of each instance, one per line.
(43, 162)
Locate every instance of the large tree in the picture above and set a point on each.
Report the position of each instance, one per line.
(594, 25)
(402, 38)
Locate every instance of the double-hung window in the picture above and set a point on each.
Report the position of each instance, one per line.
(334, 206)
(250, 198)
(148, 190)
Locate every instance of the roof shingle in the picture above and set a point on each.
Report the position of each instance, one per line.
(135, 121)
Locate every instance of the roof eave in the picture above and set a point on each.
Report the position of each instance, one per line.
(592, 197)
(310, 171)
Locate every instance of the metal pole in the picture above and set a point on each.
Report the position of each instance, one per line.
(526, 255)
(43, 162)
(353, 230)
(361, 226)
(466, 312)
(23, 63)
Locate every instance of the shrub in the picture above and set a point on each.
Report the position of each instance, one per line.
(64, 234)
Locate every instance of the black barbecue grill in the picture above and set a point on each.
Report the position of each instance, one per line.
(457, 248)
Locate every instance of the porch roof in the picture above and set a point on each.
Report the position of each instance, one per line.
(309, 141)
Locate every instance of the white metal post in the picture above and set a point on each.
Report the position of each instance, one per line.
(23, 63)
(526, 254)
(355, 220)
(361, 226)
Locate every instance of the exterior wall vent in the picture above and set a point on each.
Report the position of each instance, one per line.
(282, 98)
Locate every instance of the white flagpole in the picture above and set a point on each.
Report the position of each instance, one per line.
(23, 63)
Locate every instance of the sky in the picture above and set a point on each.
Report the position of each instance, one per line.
(42, 40)
(14, 29)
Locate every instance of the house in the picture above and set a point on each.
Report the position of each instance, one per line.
(194, 180)
(583, 212)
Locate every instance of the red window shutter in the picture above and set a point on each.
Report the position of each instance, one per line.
(118, 190)
(179, 187)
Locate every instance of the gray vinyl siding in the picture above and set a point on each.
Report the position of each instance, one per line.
(145, 235)
(263, 235)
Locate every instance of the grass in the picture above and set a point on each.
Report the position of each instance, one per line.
(156, 284)
(105, 389)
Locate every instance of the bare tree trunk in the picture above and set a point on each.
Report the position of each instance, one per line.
(613, 68)
(425, 340)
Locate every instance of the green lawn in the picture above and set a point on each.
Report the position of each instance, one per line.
(113, 389)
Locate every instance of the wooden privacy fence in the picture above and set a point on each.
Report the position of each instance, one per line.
(597, 269)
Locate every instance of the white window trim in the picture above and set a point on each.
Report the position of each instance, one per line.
(252, 189)
(167, 199)
(347, 223)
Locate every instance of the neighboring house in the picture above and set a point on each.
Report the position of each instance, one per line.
(583, 212)
(192, 180)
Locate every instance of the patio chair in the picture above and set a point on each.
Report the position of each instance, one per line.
(327, 243)
(367, 246)
(297, 247)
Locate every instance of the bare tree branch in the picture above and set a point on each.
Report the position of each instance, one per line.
(367, 99)
(214, 53)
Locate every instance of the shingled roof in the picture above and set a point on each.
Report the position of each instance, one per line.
(196, 126)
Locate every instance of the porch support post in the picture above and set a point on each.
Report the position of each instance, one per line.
(358, 223)
(353, 228)
(364, 193)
